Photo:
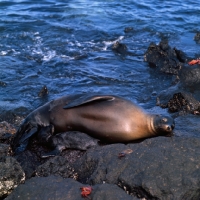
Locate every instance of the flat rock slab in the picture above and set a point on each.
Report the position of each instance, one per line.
(157, 168)
(54, 187)
(58, 166)
(188, 126)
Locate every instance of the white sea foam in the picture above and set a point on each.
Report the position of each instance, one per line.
(49, 55)
(36, 33)
(3, 53)
(109, 43)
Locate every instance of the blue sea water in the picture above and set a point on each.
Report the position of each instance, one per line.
(66, 45)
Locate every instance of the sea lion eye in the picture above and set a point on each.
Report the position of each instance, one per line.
(164, 120)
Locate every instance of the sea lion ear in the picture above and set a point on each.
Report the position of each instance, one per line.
(87, 99)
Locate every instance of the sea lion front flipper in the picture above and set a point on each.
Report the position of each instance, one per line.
(87, 99)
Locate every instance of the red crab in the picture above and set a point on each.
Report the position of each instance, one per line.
(85, 191)
(194, 62)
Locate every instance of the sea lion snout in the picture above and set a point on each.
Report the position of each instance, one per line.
(168, 123)
(164, 125)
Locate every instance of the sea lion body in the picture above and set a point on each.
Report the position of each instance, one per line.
(117, 120)
(106, 117)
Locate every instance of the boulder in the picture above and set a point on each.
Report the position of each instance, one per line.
(6, 131)
(5, 150)
(120, 48)
(197, 37)
(157, 168)
(190, 77)
(164, 58)
(177, 100)
(11, 175)
(54, 187)
(58, 166)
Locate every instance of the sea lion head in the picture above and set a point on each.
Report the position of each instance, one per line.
(163, 125)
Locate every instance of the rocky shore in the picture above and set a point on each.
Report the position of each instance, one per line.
(165, 168)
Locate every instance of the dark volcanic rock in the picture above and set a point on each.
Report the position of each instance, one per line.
(56, 166)
(6, 131)
(190, 77)
(11, 175)
(5, 150)
(184, 96)
(120, 48)
(53, 187)
(109, 191)
(197, 37)
(2, 84)
(128, 29)
(188, 126)
(29, 161)
(158, 168)
(177, 101)
(9, 117)
(184, 102)
(43, 92)
(164, 58)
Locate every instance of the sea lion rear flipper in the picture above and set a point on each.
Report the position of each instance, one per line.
(21, 139)
(88, 99)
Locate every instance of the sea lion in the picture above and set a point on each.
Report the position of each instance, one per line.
(61, 141)
(106, 117)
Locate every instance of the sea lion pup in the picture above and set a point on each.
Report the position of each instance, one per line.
(106, 117)
(61, 141)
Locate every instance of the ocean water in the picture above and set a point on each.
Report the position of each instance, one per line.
(67, 46)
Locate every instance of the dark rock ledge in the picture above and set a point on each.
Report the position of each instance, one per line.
(158, 168)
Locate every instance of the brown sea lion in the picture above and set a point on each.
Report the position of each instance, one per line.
(106, 117)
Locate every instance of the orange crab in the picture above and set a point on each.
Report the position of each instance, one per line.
(194, 62)
(85, 191)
